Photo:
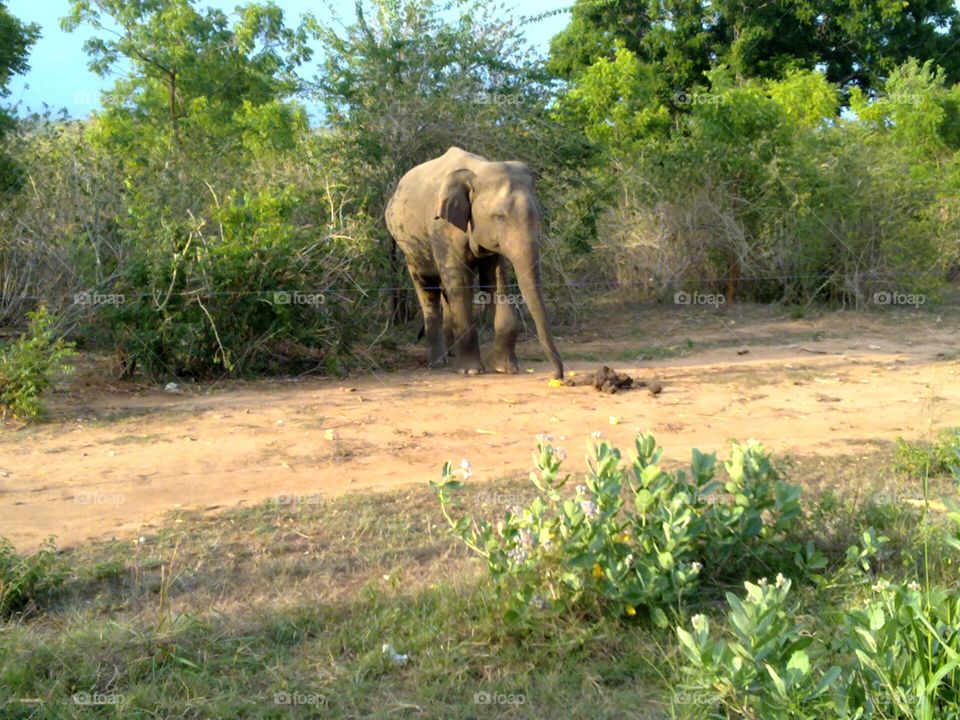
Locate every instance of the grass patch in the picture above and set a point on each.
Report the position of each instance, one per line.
(367, 606)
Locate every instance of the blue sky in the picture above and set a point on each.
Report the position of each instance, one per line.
(60, 78)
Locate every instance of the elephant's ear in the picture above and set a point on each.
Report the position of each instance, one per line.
(453, 205)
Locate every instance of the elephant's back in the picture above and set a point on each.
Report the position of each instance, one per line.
(406, 214)
(410, 211)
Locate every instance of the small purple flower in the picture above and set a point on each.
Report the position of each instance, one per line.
(590, 509)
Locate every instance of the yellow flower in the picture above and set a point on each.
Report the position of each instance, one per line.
(625, 538)
(630, 610)
(555, 384)
(597, 570)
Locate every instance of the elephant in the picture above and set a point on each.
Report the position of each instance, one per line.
(457, 217)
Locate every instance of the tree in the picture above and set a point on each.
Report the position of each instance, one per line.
(200, 77)
(856, 43)
(402, 83)
(16, 38)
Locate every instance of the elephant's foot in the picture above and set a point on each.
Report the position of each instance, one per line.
(506, 362)
(437, 362)
(469, 366)
(436, 356)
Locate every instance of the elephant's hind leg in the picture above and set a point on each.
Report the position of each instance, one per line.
(428, 293)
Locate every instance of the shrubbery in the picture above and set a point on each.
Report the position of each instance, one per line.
(28, 580)
(29, 365)
(919, 459)
(760, 191)
(812, 638)
(893, 655)
(632, 542)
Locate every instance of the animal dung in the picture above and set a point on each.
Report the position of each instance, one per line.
(610, 381)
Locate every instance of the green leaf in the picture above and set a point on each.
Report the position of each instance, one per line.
(777, 680)
(800, 662)
(687, 640)
(829, 677)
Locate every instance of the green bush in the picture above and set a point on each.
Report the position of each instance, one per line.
(629, 543)
(894, 655)
(866, 647)
(918, 459)
(765, 670)
(29, 365)
(255, 289)
(28, 580)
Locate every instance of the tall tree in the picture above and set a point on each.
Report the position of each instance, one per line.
(199, 76)
(16, 38)
(404, 81)
(857, 43)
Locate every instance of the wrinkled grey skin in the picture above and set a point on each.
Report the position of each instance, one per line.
(459, 216)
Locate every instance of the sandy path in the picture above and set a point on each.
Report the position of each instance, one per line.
(79, 480)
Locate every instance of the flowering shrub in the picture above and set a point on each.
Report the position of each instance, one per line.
(625, 542)
(894, 655)
(765, 671)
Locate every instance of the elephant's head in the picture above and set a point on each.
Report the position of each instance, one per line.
(497, 209)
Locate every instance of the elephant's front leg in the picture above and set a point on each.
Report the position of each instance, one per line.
(506, 325)
(449, 335)
(458, 285)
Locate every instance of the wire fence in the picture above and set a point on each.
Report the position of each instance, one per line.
(889, 285)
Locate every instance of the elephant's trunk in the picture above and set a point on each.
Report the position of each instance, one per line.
(527, 267)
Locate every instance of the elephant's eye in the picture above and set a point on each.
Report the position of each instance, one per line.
(499, 217)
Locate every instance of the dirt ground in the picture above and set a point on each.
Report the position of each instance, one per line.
(115, 458)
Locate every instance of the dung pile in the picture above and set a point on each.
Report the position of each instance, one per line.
(610, 381)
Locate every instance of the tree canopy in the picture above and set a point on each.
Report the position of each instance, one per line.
(16, 38)
(855, 43)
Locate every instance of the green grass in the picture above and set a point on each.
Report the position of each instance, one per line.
(218, 616)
